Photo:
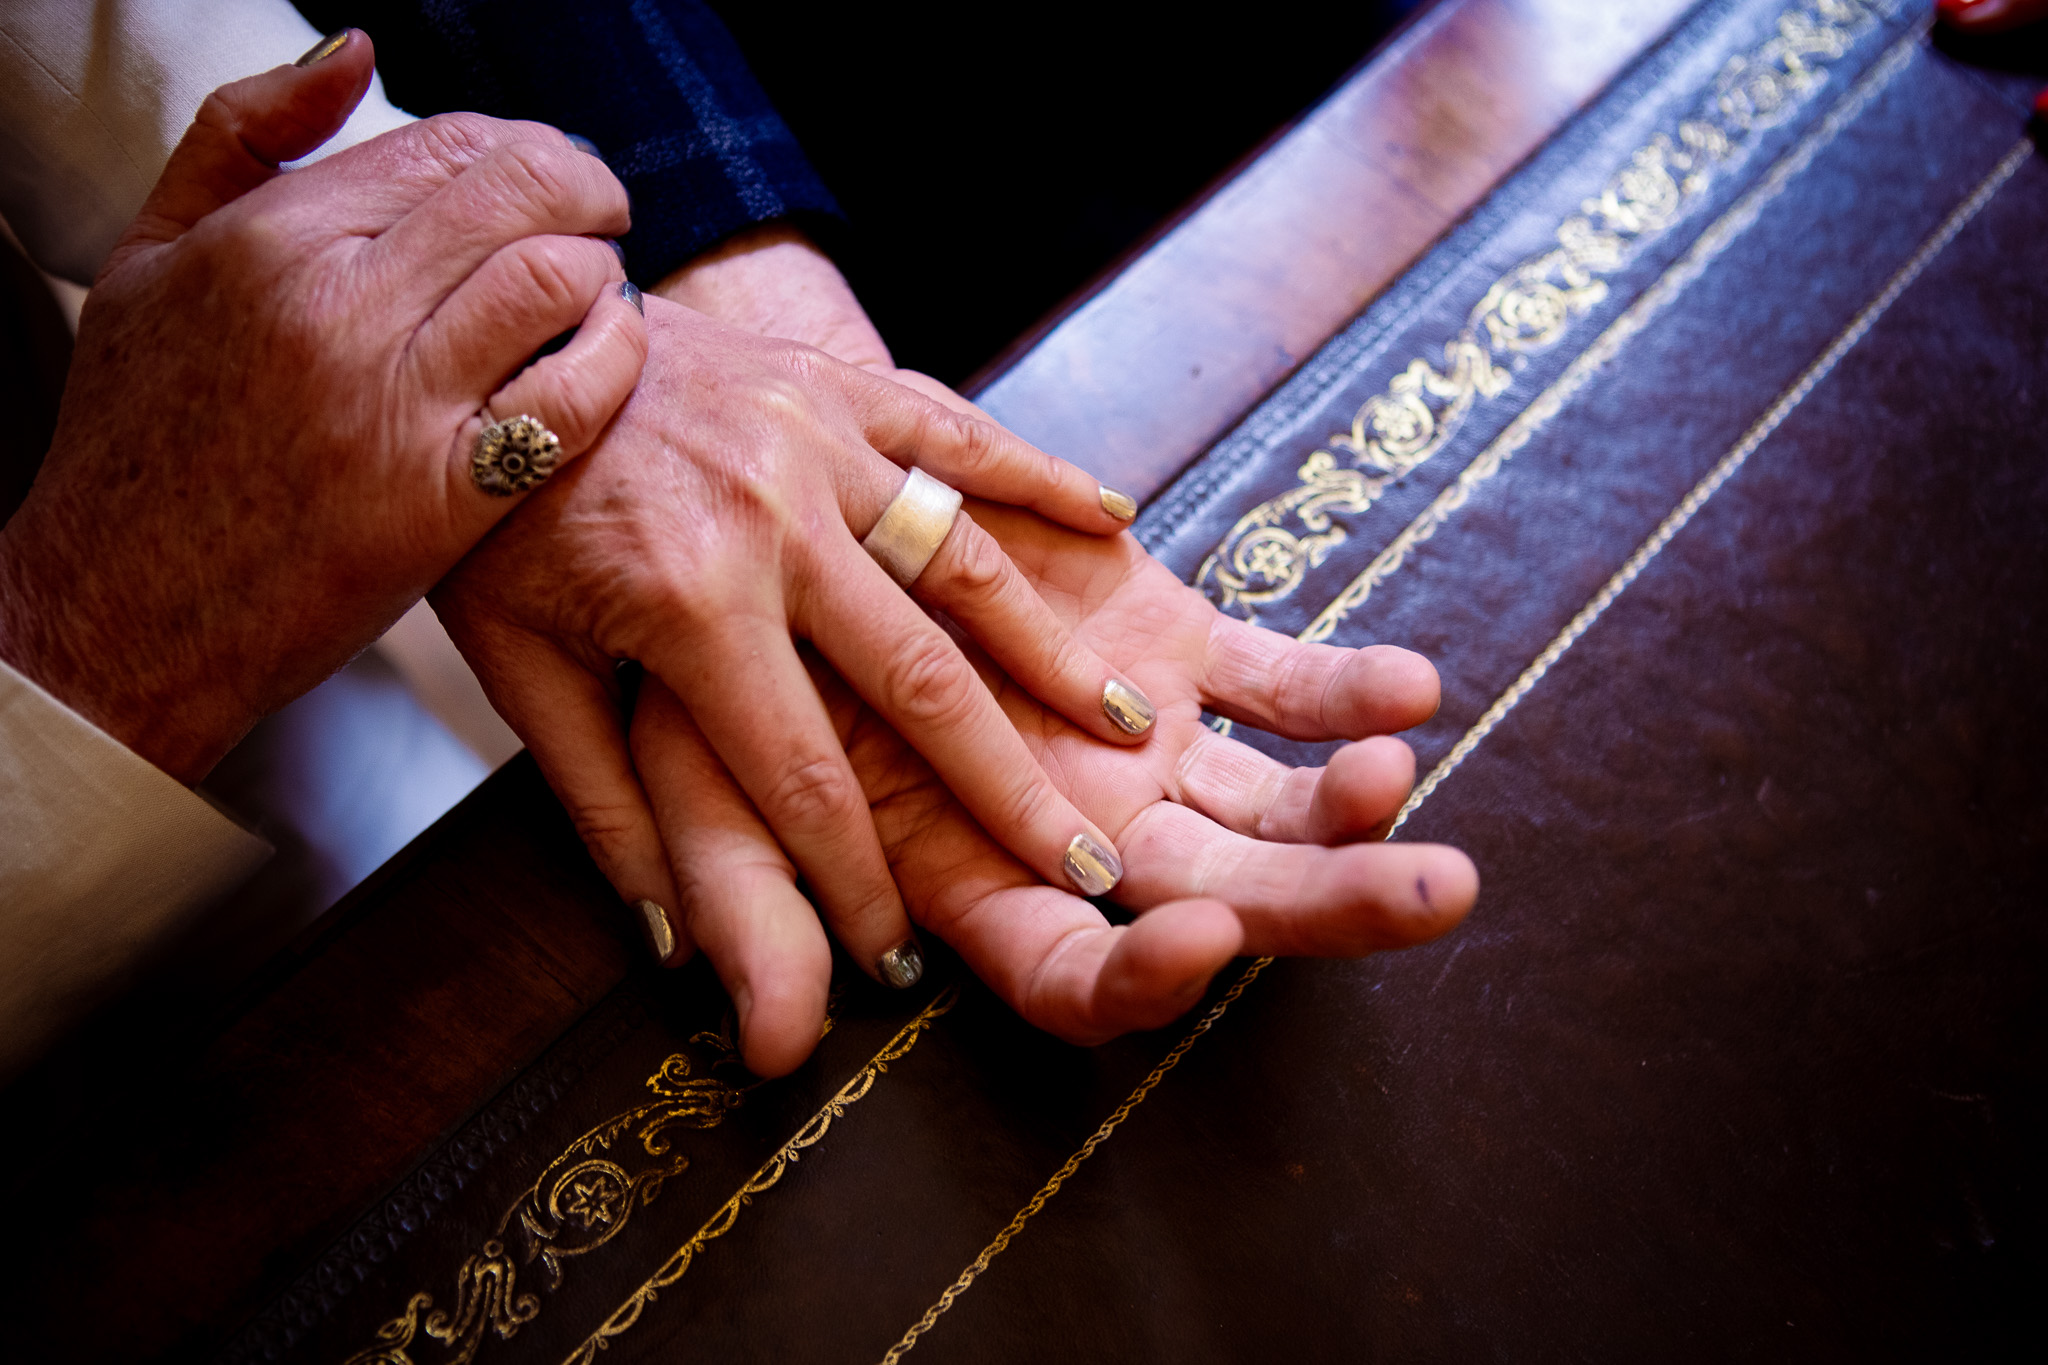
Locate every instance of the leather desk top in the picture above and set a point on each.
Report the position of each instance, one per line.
(1706, 460)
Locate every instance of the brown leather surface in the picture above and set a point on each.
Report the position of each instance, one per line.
(1141, 374)
(180, 1190)
(1742, 1054)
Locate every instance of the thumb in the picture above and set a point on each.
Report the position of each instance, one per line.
(246, 129)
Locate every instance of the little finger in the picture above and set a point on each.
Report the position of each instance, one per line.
(738, 895)
(567, 399)
(1354, 798)
(569, 720)
(1299, 900)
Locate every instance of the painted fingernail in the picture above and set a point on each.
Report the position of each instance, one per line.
(630, 292)
(902, 966)
(661, 940)
(1131, 709)
(617, 250)
(1119, 505)
(1092, 868)
(584, 145)
(325, 48)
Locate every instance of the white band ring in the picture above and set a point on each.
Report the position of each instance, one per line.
(912, 527)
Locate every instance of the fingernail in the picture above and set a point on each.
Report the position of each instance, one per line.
(1119, 505)
(661, 940)
(617, 250)
(325, 48)
(1092, 868)
(630, 292)
(584, 145)
(902, 966)
(1131, 709)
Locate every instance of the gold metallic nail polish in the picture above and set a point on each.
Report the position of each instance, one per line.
(325, 48)
(661, 940)
(1119, 505)
(1130, 709)
(1092, 868)
(902, 966)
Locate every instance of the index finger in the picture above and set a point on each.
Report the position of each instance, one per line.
(519, 189)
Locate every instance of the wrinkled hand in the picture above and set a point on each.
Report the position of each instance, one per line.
(720, 513)
(1224, 849)
(262, 454)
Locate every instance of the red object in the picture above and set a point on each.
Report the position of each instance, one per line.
(2041, 104)
(1951, 9)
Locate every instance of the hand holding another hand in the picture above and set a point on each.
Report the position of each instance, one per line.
(721, 514)
(263, 453)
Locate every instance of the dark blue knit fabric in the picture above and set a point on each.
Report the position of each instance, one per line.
(658, 85)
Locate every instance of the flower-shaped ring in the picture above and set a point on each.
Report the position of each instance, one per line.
(513, 456)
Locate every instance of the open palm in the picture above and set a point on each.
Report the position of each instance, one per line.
(1225, 850)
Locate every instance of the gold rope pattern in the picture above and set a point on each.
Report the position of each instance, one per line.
(1687, 508)
(764, 1178)
(1722, 471)
(1528, 310)
(1073, 1163)
(1654, 300)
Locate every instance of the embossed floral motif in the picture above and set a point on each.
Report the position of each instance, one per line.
(1272, 549)
(580, 1201)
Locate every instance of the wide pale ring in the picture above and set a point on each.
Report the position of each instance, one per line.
(912, 526)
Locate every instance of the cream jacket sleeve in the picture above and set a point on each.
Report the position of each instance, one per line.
(102, 856)
(95, 93)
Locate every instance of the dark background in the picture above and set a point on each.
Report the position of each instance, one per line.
(992, 162)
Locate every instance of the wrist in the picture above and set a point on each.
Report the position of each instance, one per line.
(772, 280)
(51, 634)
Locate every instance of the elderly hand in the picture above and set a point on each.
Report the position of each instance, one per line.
(263, 452)
(1224, 847)
(722, 512)
(1225, 850)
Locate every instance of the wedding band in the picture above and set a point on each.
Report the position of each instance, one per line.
(912, 525)
(513, 456)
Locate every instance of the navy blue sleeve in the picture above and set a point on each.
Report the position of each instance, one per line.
(658, 85)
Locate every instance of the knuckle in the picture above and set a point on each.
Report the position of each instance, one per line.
(931, 683)
(551, 275)
(611, 832)
(538, 179)
(459, 139)
(980, 571)
(813, 791)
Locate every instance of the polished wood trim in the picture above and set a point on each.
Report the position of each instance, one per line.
(1147, 371)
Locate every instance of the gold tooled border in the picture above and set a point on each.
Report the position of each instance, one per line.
(1687, 508)
(770, 1172)
(1711, 243)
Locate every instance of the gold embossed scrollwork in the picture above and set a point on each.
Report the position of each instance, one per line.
(582, 1199)
(1271, 550)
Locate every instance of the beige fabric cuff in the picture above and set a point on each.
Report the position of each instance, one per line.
(103, 857)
